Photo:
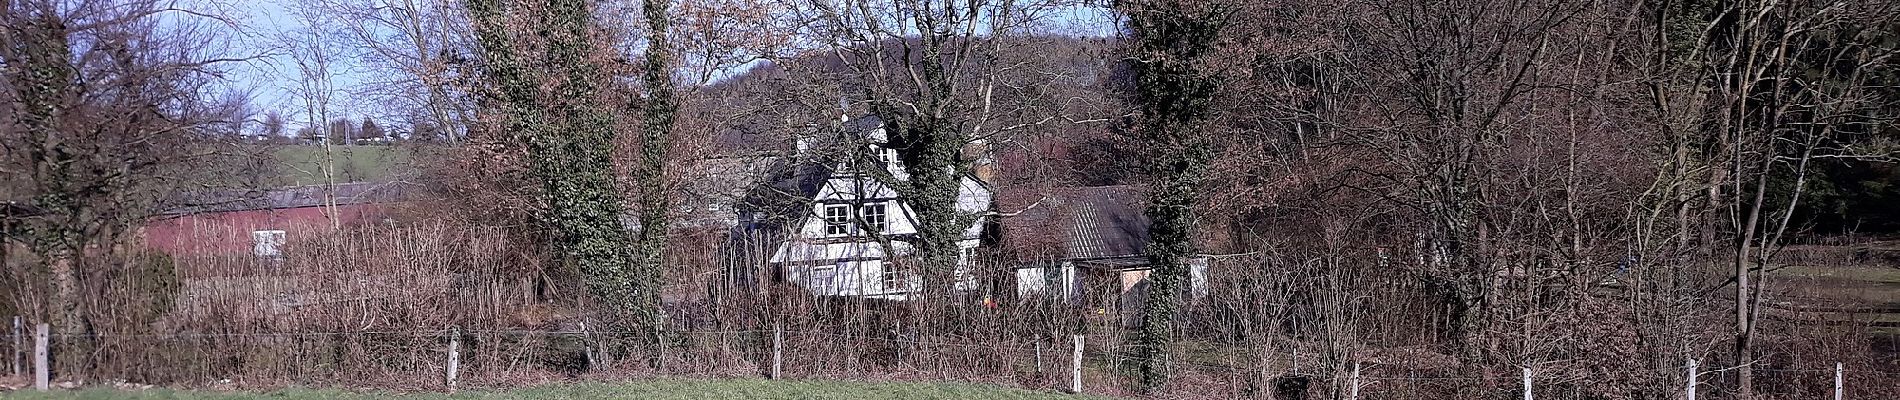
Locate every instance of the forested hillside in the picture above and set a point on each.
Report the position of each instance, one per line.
(1164, 198)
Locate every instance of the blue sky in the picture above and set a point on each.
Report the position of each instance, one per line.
(271, 80)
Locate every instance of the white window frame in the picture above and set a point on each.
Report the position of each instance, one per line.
(885, 156)
(823, 279)
(838, 224)
(893, 280)
(882, 221)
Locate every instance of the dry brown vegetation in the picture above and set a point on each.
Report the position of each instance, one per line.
(1423, 198)
(374, 306)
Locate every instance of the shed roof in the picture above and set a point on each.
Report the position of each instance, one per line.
(1074, 223)
(285, 197)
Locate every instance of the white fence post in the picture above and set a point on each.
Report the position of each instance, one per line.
(455, 357)
(1527, 383)
(1839, 383)
(1692, 380)
(42, 369)
(1075, 367)
(1354, 391)
(778, 349)
(1038, 354)
(18, 357)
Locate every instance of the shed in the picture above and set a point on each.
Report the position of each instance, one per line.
(1083, 246)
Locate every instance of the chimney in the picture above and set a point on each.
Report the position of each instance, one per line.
(982, 160)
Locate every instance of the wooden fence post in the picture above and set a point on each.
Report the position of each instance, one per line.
(455, 357)
(1075, 367)
(42, 369)
(1692, 380)
(587, 347)
(1839, 383)
(1527, 383)
(659, 341)
(778, 350)
(1038, 354)
(17, 356)
(1354, 391)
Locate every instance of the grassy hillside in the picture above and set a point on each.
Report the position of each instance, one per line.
(303, 164)
(656, 390)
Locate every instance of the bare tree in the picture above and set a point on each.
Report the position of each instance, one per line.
(314, 50)
(938, 75)
(272, 126)
(107, 118)
(1751, 93)
(411, 50)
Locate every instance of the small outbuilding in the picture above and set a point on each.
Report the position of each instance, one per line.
(1083, 246)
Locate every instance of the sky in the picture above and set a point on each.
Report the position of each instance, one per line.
(270, 77)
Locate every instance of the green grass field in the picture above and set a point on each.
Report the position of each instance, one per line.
(303, 164)
(655, 390)
(1873, 285)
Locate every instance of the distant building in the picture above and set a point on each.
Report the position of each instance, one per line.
(825, 222)
(711, 199)
(257, 222)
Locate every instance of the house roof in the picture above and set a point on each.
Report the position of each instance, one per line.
(1074, 223)
(791, 182)
(11, 212)
(713, 197)
(283, 198)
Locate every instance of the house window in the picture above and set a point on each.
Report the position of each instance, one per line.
(873, 215)
(894, 280)
(822, 280)
(884, 156)
(837, 219)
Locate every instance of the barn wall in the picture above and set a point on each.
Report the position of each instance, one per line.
(230, 232)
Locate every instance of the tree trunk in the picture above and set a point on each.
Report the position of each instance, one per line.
(657, 128)
(552, 100)
(1174, 92)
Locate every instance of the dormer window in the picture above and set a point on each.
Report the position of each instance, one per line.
(883, 155)
(837, 219)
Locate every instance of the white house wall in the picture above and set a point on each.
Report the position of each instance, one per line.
(852, 265)
(850, 278)
(1057, 281)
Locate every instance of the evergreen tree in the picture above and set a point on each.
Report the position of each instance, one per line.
(370, 131)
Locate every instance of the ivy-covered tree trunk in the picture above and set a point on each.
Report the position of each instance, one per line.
(1174, 89)
(551, 99)
(923, 128)
(42, 55)
(656, 126)
(931, 153)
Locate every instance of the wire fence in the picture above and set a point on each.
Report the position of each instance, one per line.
(399, 308)
(422, 358)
